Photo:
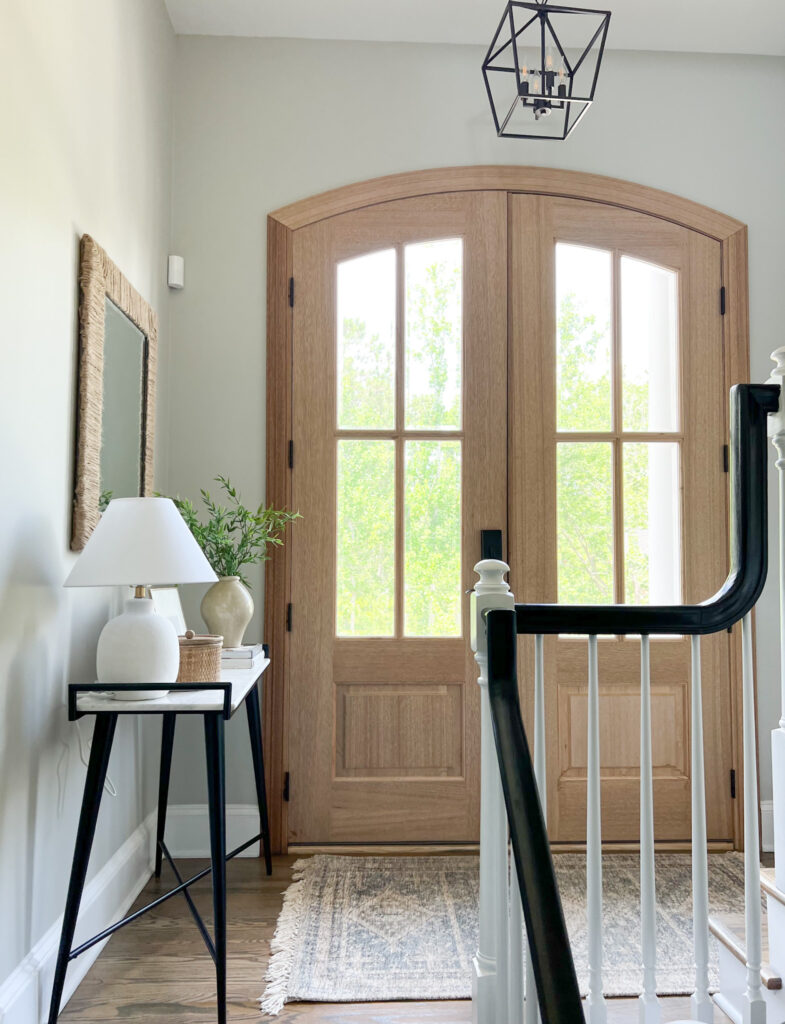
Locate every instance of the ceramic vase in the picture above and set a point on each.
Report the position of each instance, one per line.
(227, 608)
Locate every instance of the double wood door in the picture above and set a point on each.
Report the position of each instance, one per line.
(473, 360)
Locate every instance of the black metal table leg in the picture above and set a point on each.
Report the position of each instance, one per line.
(91, 802)
(257, 753)
(216, 798)
(167, 743)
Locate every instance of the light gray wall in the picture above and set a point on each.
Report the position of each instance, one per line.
(261, 123)
(85, 125)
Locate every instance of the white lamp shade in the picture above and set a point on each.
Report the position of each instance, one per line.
(140, 542)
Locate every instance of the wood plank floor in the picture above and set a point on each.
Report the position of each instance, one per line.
(157, 969)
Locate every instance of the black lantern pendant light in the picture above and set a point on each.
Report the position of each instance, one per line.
(541, 68)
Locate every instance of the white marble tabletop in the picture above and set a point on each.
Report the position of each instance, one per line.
(242, 680)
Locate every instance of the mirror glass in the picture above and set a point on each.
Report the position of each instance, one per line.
(122, 421)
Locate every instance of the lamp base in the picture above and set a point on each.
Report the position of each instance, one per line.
(138, 646)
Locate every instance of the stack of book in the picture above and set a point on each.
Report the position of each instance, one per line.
(247, 656)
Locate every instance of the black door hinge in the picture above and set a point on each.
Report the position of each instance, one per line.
(722, 301)
(286, 787)
(289, 617)
(733, 783)
(291, 291)
(725, 458)
(291, 455)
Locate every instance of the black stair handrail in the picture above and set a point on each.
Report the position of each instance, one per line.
(749, 405)
(549, 947)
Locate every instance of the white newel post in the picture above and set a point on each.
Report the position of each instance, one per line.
(490, 966)
(777, 435)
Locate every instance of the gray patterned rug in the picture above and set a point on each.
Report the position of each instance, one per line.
(356, 929)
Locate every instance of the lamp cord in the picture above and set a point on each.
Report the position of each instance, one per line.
(84, 744)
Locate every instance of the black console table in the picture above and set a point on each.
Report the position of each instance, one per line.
(216, 702)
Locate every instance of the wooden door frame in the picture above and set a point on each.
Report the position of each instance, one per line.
(282, 223)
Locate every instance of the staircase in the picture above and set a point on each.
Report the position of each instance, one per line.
(517, 880)
(729, 931)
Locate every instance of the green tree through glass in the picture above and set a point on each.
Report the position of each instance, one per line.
(432, 468)
(585, 549)
(432, 487)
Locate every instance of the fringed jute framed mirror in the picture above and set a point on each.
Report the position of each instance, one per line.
(118, 342)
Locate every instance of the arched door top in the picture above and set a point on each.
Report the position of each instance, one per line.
(493, 177)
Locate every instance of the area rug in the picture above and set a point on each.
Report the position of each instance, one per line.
(356, 929)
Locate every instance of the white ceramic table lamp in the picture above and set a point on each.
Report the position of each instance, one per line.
(139, 542)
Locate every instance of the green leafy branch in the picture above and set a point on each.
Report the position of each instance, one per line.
(234, 536)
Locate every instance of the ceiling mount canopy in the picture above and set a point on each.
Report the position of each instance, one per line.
(542, 66)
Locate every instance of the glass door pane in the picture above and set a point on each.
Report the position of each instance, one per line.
(434, 343)
(652, 524)
(432, 530)
(365, 541)
(584, 510)
(649, 346)
(583, 338)
(366, 341)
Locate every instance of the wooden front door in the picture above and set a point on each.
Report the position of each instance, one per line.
(421, 399)
(618, 492)
(399, 461)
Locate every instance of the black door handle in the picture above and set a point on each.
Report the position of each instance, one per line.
(491, 544)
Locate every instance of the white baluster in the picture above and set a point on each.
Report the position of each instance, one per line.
(777, 433)
(515, 1004)
(648, 1005)
(595, 1001)
(539, 722)
(755, 1006)
(532, 1008)
(701, 1006)
(489, 979)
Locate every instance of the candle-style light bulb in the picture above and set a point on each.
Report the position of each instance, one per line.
(561, 89)
(524, 78)
(536, 84)
(549, 59)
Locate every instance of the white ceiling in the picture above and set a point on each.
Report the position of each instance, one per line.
(699, 26)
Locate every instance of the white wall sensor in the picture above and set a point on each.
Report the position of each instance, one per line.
(176, 272)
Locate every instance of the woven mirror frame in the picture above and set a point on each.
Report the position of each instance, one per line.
(99, 279)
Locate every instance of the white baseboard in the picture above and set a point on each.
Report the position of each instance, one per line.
(188, 829)
(25, 994)
(767, 826)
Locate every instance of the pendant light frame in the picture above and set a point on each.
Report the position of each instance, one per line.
(551, 96)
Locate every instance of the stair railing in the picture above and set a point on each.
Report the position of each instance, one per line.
(513, 784)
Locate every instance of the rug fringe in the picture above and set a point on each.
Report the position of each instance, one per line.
(282, 947)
